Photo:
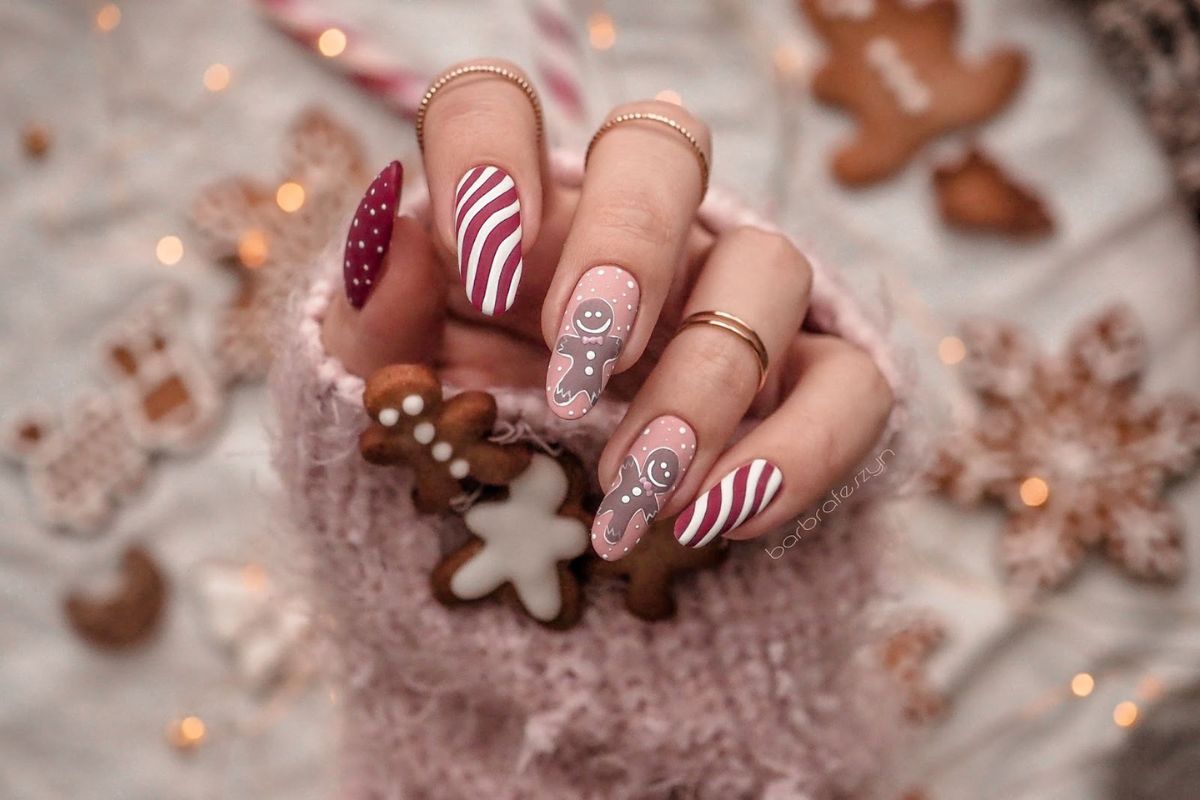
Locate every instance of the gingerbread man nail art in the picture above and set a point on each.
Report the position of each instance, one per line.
(595, 329)
(648, 477)
(444, 441)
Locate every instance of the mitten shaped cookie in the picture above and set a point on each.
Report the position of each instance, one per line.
(444, 441)
(895, 67)
(525, 543)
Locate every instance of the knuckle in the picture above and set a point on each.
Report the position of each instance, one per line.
(788, 269)
(636, 214)
(867, 376)
(722, 365)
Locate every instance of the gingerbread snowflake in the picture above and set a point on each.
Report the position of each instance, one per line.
(268, 232)
(1073, 451)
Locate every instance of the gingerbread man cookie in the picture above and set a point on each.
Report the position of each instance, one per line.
(652, 567)
(895, 67)
(444, 441)
(524, 544)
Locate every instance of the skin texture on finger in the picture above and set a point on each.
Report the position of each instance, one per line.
(836, 411)
(704, 382)
(403, 318)
(624, 250)
(484, 164)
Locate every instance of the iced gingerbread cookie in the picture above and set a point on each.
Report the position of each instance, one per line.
(652, 567)
(895, 67)
(445, 442)
(524, 545)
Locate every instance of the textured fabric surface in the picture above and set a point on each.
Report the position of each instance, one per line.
(760, 684)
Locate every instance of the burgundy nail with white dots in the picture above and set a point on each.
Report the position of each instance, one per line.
(370, 233)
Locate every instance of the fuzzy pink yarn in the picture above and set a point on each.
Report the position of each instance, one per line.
(761, 687)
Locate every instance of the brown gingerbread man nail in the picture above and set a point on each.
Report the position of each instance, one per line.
(896, 68)
(444, 441)
(652, 567)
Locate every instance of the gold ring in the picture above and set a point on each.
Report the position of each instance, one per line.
(737, 327)
(660, 119)
(476, 69)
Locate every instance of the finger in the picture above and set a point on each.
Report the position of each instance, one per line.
(393, 306)
(639, 199)
(702, 385)
(483, 157)
(825, 426)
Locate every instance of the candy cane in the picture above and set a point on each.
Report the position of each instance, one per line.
(557, 61)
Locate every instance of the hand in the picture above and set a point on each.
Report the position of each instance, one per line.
(601, 278)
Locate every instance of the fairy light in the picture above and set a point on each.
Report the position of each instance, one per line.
(951, 350)
(186, 733)
(332, 42)
(290, 196)
(602, 33)
(255, 577)
(788, 61)
(216, 77)
(669, 96)
(1034, 492)
(108, 18)
(1082, 684)
(169, 250)
(252, 248)
(1125, 713)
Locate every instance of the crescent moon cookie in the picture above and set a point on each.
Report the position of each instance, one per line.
(445, 442)
(523, 545)
(129, 614)
(895, 67)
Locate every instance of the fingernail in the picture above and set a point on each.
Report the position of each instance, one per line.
(594, 331)
(652, 468)
(740, 496)
(370, 233)
(487, 230)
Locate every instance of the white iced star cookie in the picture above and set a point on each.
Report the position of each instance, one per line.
(524, 542)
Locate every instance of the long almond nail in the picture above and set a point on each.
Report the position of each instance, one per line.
(654, 466)
(594, 331)
(370, 233)
(487, 230)
(740, 496)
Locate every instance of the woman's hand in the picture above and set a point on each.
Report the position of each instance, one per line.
(595, 282)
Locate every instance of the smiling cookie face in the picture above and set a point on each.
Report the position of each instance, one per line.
(593, 317)
(662, 468)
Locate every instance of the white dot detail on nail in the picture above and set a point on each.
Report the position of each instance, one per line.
(591, 354)
(624, 498)
(388, 416)
(424, 432)
(413, 404)
(459, 468)
(442, 451)
(588, 371)
(637, 491)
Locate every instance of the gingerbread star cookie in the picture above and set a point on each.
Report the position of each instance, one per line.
(652, 567)
(445, 442)
(895, 67)
(524, 545)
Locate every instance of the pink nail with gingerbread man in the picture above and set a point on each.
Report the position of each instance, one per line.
(593, 335)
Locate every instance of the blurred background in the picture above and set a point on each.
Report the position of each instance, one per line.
(168, 166)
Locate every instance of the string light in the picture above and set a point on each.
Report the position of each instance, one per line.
(169, 250)
(186, 733)
(252, 248)
(669, 96)
(951, 350)
(602, 33)
(1082, 684)
(788, 61)
(108, 18)
(255, 577)
(331, 42)
(290, 196)
(216, 77)
(1125, 714)
(1034, 492)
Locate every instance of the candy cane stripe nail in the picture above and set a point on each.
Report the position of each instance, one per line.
(487, 223)
(741, 495)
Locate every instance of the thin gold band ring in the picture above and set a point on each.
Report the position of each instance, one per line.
(639, 116)
(737, 327)
(476, 69)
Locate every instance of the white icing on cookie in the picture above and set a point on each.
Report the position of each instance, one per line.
(441, 451)
(413, 404)
(524, 541)
(424, 432)
(912, 94)
(389, 417)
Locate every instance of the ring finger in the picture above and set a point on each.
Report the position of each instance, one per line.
(645, 178)
(702, 385)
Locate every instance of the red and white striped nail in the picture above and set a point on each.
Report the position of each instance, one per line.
(740, 496)
(487, 230)
(370, 234)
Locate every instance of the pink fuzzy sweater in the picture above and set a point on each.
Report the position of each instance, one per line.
(765, 685)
